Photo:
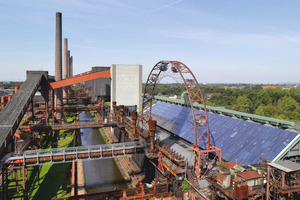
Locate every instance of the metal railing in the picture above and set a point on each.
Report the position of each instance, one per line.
(69, 154)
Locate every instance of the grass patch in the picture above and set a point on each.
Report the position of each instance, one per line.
(65, 143)
(108, 103)
(55, 179)
(104, 136)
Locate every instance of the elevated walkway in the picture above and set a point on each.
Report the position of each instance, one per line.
(68, 126)
(69, 154)
(13, 112)
(70, 108)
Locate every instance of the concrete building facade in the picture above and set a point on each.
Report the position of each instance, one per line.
(126, 85)
(99, 88)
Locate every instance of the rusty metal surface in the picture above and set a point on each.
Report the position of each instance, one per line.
(142, 192)
(69, 126)
(182, 74)
(88, 76)
(69, 154)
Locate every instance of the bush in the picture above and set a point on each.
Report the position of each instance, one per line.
(185, 186)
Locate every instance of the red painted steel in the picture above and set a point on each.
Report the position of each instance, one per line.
(180, 72)
(73, 178)
(87, 76)
(75, 156)
(42, 127)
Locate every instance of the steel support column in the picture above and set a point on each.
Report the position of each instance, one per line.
(268, 183)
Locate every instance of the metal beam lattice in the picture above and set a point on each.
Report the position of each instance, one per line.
(181, 73)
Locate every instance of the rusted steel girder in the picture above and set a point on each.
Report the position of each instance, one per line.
(76, 156)
(88, 76)
(182, 74)
(70, 109)
(67, 126)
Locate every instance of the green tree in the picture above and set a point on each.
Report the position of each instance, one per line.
(288, 107)
(268, 110)
(272, 102)
(185, 186)
(243, 104)
(78, 85)
(287, 104)
(276, 94)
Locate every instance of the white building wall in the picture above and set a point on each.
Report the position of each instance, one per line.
(126, 85)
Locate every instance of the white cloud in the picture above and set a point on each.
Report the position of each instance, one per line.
(231, 38)
(166, 6)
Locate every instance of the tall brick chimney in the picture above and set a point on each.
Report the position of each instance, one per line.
(58, 62)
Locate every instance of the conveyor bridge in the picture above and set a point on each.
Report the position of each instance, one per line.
(13, 112)
(68, 126)
(69, 154)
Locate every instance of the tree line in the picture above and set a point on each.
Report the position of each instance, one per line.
(9, 85)
(271, 102)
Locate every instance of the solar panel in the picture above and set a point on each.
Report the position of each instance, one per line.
(241, 141)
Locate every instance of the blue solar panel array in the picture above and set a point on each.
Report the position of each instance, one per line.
(241, 141)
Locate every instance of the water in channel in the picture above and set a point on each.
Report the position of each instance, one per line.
(100, 175)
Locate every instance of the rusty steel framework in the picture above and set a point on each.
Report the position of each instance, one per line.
(181, 73)
(282, 184)
(168, 159)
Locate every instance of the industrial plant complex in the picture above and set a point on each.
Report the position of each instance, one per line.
(160, 147)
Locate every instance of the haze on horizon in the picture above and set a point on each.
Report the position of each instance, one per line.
(220, 41)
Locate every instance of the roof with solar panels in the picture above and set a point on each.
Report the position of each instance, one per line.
(242, 141)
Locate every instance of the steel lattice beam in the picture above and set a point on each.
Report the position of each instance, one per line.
(88, 76)
(180, 71)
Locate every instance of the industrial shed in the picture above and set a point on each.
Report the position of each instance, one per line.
(242, 141)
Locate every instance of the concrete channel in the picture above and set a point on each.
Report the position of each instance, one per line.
(99, 175)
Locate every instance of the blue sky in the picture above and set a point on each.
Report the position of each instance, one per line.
(252, 41)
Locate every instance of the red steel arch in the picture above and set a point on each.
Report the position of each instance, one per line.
(176, 69)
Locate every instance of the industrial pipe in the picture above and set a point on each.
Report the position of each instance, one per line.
(152, 130)
(114, 105)
(121, 110)
(134, 118)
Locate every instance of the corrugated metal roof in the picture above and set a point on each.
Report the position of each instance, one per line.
(286, 165)
(13, 112)
(230, 165)
(248, 175)
(237, 180)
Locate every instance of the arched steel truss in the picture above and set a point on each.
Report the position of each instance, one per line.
(175, 69)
